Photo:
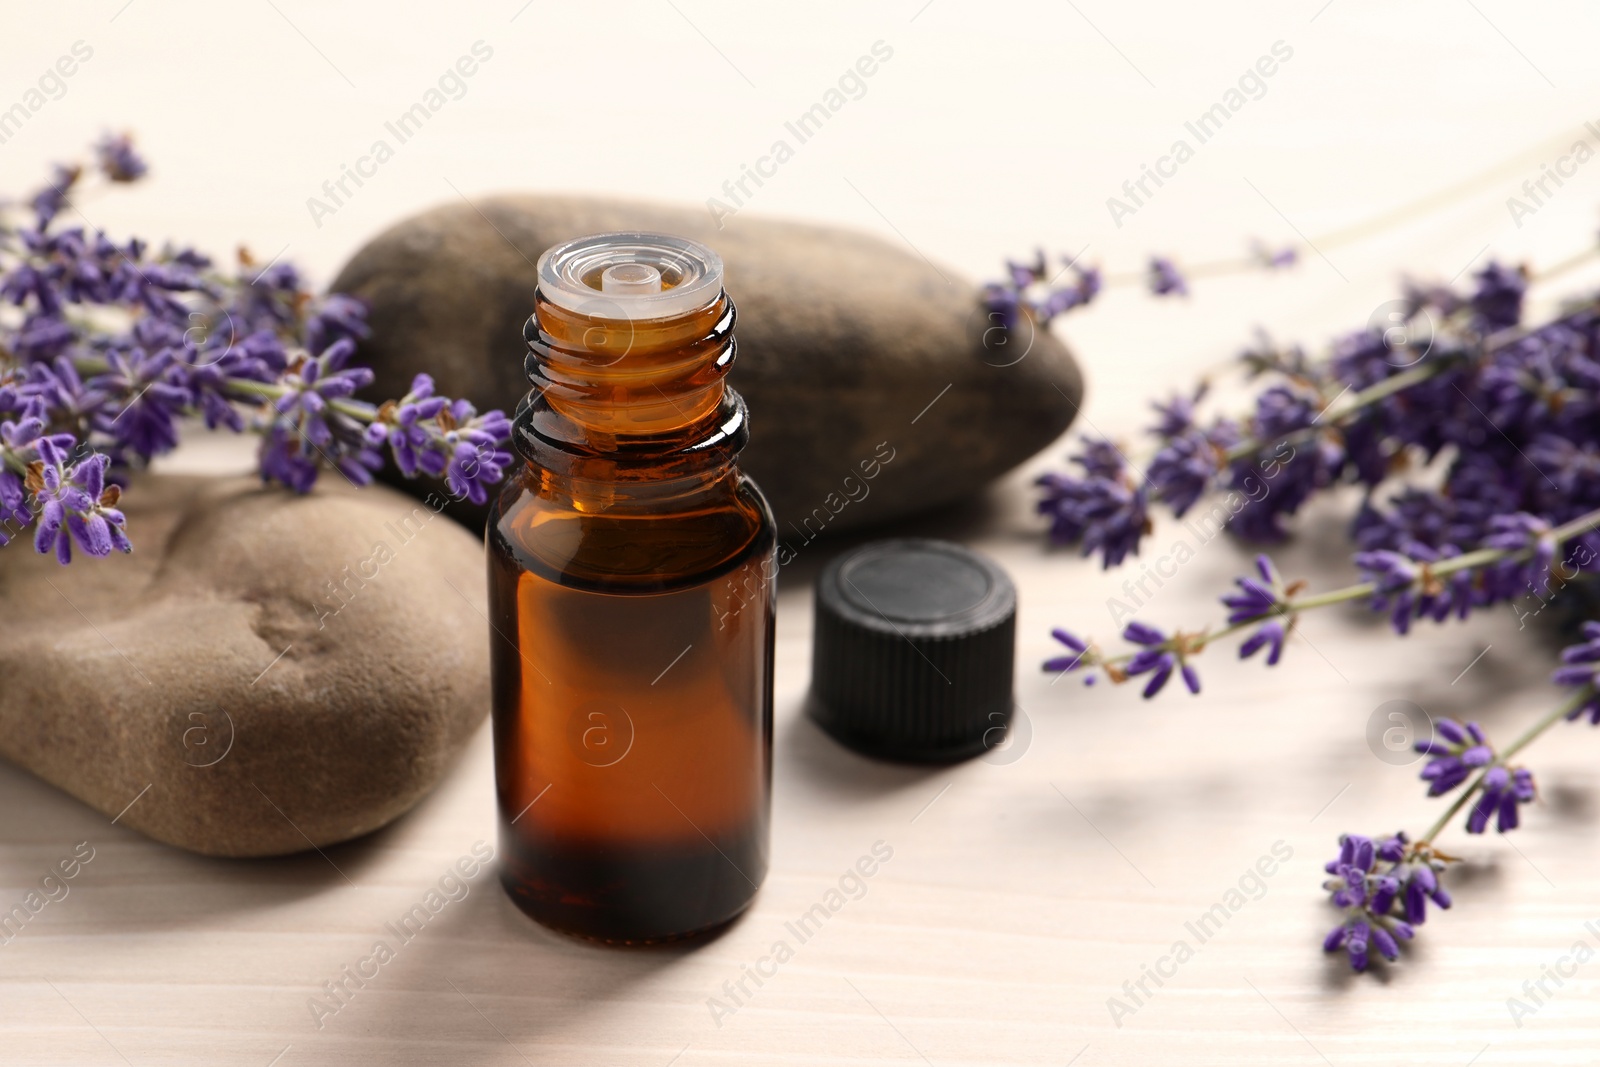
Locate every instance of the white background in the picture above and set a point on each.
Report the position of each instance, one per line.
(995, 127)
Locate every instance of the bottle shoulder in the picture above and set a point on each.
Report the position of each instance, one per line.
(629, 548)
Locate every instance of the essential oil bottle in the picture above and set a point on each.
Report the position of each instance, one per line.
(631, 572)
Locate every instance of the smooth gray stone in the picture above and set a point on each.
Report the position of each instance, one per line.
(851, 348)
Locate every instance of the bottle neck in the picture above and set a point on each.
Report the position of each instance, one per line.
(629, 413)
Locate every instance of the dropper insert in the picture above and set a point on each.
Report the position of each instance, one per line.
(633, 276)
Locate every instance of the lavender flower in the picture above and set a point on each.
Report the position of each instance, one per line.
(1158, 657)
(1103, 510)
(1177, 416)
(1259, 598)
(1184, 469)
(1394, 578)
(1256, 596)
(1498, 299)
(48, 202)
(1082, 655)
(146, 424)
(1270, 635)
(287, 459)
(117, 159)
(1369, 897)
(1273, 259)
(1164, 279)
(1003, 305)
(1581, 668)
(1457, 751)
(1475, 440)
(1420, 884)
(1502, 790)
(1025, 274)
(1283, 413)
(24, 444)
(1523, 533)
(77, 505)
(311, 383)
(105, 347)
(1027, 289)
(434, 435)
(1086, 285)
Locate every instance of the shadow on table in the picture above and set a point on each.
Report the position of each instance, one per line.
(807, 750)
(476, 974)
(483, 972)
(961, 521)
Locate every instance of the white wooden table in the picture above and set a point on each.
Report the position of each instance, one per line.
(1021, 894)
(1023, 889)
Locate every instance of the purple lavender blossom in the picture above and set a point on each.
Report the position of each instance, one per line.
(1273, 259)
(287, 459)
(1025, 274)
(117, 159)
(77, 505)
(1076, 644)
(1270, 635)
(1394, 579)
(1501, 792)
(1257, 596)
(1457, 751)
(1003, 305)
(1442, 597)
(476, 460)
(1103, 511)
(1028, 288)
(147, 423)
(48, 201)
(1261, 598)
(1086, 285)
(1580, 668)
(1191, 457)
(1498, 298)
(1184, 469)
(1164, 279)
(1159, 656)
(1526, 534)
(21, 441)
(312, 383)
(337, 318)
(1421, 885)
(1177, 416)
(256, 352)
(1369, 897)
(1294, 468)
(1081, 655)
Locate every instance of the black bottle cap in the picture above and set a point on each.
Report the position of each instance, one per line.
(913, 650)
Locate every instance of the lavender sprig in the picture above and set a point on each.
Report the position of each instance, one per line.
(1262, 603)
(1515, 410)
(106, 347)
(1383, 903)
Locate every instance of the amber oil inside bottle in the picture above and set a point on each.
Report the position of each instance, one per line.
(631, 575)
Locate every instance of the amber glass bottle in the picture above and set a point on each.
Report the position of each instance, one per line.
(631, 570)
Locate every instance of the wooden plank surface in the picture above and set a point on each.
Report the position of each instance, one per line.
(1023, 890)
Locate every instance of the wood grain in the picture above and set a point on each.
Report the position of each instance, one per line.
(1022, 892)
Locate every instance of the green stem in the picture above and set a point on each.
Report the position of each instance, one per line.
(1365, 398)
(1399, 383)
(1453, 810)
(356, 409)
(1440, 569)
(1396, 384)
